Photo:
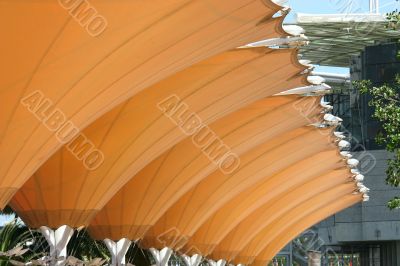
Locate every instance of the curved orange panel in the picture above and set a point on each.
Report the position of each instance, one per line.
(216, 228)
(166, 179)
(302, 224)
(210, 89)
(193, 209)
(285, 221)
(268, 214)
(53, 48)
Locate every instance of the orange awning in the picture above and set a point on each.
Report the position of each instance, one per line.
(198, 204)
(301, 223)
(163, 95)
(264, 193)
(250, 234)
(211, 89)
(48, 51)
(160, 184)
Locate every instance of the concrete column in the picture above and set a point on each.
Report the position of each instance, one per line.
(314, 258)
(118, 250)
(58, 241)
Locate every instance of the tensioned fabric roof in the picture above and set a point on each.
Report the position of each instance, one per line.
(268, 216)
(86, 76)
(217, 227)
(204, 199)
(211, 88)
(130, 91)
(161, 183)
(299, 223)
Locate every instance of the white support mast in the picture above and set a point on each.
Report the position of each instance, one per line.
(374, 6)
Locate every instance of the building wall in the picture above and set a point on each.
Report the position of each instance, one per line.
(368, 221)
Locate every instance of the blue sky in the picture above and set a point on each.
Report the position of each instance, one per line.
(5, 218)
(337, 6)
(334, 7)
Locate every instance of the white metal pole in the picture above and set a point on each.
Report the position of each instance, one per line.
(377, 6)
(161, 256)
(57, 240)
(118, 250)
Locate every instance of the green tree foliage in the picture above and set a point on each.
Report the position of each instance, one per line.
(13, 235)
(386, 103)
(138, 256)
(393, 19)
(83, 247)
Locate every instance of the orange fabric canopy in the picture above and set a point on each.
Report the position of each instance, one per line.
(48, 51)
(264, 193)
(198, 204)
(64, 191)
(299, 224)
(251, 234)
(134, 90)
(160, 184)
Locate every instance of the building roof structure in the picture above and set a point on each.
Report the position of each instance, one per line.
(171, 127)
(334, 38)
